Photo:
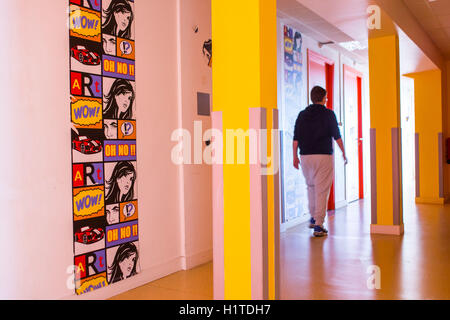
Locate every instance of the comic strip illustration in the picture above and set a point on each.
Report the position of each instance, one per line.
(119, 99)
(103, 142)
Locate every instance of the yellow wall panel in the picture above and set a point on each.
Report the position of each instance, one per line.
(244, 76)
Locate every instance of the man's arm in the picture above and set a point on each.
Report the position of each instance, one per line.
(295, 142)
(336, 133)
(295, 152)
(341, 146)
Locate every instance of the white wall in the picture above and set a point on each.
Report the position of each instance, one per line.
(36, 217)
(196, 179)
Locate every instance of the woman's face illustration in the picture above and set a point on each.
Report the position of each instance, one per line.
(111, 129)
(122, 19)
(124, 101)
(125, 183)
(112, 214)
(109, 44)
(127, 265)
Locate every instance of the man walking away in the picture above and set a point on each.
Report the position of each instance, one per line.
(315, 128)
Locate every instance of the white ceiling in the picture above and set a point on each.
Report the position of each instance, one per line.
(434, 16)
(308, 20)
(346, 20)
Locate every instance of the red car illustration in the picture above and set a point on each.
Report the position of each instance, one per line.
(86, 145)
(85, 56)
(89, 235)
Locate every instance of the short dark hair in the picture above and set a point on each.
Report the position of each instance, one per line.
(318, 94)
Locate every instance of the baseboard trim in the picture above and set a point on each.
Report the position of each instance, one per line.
(144, 277)
(293, 223)
(340, 204)
(383, 229)
(197, 259)
(422, 200)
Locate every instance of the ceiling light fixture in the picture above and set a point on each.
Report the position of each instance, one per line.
(353, 45)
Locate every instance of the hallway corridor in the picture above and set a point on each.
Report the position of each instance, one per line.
(413, 266)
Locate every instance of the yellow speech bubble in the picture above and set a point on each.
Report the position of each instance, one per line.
(92, 284)
(88, 203)
(87, 113)
(85, 23)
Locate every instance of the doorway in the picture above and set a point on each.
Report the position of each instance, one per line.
(407, 110)
(353, 133)
(321, 73)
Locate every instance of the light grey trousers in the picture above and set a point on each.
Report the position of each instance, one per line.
(318, 170)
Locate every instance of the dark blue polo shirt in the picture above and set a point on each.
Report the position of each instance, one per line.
(314, 129)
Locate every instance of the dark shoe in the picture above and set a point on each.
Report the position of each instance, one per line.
(312, 223)
(320, 231)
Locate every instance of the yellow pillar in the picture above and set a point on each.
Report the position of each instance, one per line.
(429, 137)
(446, 125)
(386, 180)
(244, 99)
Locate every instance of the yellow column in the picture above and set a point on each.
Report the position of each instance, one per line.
(429, 137)
(244, 79)
(446, 125)
(387, 211)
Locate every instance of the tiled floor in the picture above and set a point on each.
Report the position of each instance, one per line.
(413, 266)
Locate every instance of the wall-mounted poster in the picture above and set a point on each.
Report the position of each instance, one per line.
(103, 140)
(293, 101)
(207, 51)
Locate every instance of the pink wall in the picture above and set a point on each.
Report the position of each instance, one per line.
(36, 242)
(195, 76)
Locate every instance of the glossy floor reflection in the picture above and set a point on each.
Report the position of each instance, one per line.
(195, 284)
(413, 266)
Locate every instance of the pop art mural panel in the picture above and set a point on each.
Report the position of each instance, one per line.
(87, 174)
(91, 284)
(294, 186)
(90, 264)
(87, 113)
(127, 130)
(128, 211)
(103, 139)
(125, 48)
(88, 202)
(119, 268)
(85, 23)
(119, 99)
(120, 150)
(85, 55)
(85, 84)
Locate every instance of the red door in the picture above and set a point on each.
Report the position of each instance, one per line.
(321, 73)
